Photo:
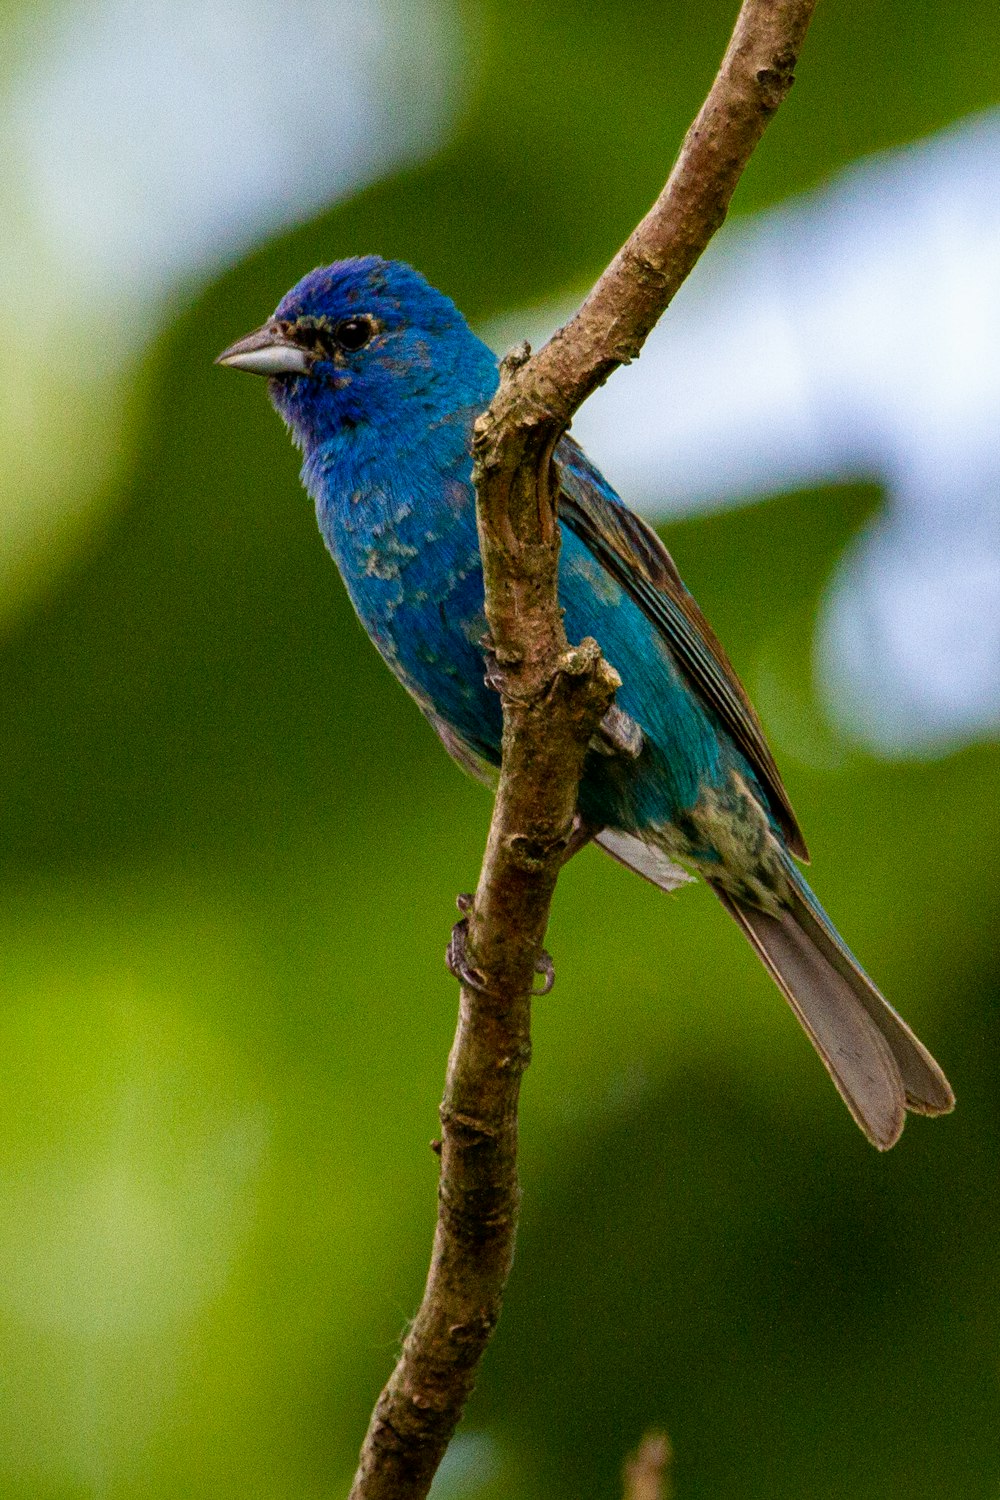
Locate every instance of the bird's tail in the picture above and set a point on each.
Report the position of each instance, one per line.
(878, 1065)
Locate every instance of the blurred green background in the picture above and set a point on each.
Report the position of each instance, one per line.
(229, 849)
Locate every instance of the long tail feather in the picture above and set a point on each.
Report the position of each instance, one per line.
(876, 1062)
(928, 1091)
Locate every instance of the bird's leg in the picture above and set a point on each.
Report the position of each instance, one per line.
(580, 835)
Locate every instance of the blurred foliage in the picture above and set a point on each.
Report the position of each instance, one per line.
(229, 848)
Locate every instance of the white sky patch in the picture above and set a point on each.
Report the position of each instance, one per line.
(157, 142)
(852, 334)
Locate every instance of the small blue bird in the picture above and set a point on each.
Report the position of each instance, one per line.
(380, 379)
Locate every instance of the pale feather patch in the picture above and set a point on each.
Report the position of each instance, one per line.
(746, 857)
(645, 859)
(617, 734)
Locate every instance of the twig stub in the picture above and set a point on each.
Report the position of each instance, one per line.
(647, 1471)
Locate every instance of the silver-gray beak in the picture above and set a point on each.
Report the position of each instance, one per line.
(266, 352)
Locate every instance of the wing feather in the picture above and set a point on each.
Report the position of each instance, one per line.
(634, 555)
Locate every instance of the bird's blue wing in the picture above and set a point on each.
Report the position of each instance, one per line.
(633, 554)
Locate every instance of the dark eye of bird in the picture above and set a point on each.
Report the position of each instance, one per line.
(354, 333)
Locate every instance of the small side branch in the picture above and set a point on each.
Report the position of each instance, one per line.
(647, 1471)
(554, 698)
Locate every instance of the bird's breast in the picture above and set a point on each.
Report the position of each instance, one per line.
(412, 570)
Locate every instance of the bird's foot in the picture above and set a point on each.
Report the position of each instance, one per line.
(456, 957)
(545, 967)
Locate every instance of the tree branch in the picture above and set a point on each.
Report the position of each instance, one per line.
(553, 699)
(611, 326)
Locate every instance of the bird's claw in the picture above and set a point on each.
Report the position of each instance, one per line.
(456, 957)
(545, 966)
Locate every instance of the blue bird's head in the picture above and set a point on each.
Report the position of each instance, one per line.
(365, 344)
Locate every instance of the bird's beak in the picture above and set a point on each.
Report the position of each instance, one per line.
(267, 352)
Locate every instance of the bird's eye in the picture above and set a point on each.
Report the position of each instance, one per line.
(354, 333)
